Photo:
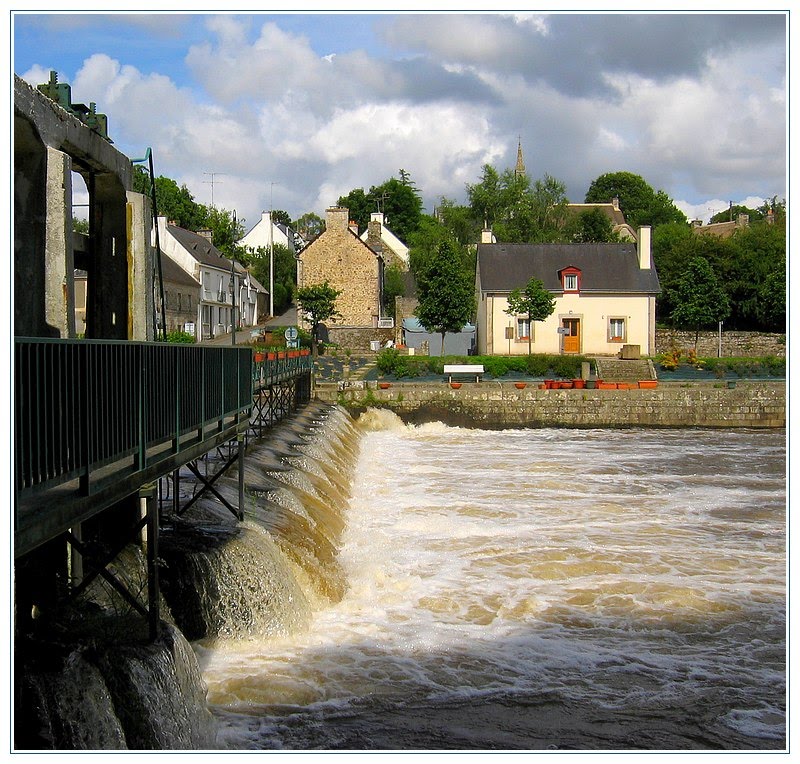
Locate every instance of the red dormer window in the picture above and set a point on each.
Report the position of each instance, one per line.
(571, 279)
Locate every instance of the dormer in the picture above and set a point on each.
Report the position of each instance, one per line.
(570, 278)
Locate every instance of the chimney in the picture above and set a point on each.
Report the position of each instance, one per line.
(487, 237)
(615, 202)
(353, 227)
(697, 223)
(743, 219)
(377, 216)
(337, 218)
(206, 234)
(644, 248)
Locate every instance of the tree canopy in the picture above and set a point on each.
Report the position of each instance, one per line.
(446, 293)
(698, 298)
(534, 302)
(637, 199)
(318, 303)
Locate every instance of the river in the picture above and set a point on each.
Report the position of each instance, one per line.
(539, 589)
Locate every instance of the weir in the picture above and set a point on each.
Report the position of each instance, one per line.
(86, 676)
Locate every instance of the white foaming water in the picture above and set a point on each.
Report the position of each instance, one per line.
(635, 574)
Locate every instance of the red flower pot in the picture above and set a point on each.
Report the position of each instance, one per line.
(520, 385)
(578, 384)
(455, 385)
(259, 357)
(648, 384)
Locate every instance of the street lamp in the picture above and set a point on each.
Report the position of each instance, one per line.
(231, 288)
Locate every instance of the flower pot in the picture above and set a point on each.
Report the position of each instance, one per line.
(384, 385)
(520, 385)
(455, 385)
(591, 384)
(566, 385)
(271, 356)
(731, 384)
(548, 384)
(623, 386)
(606, 386)
(543, 386)
(648, 384)
(578, 384)
(259, 357)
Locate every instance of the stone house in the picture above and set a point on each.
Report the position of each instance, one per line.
(611, 210)
(355, 268)
(605, 297)
(394, 251)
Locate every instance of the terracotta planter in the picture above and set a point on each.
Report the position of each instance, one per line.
(591, 384)
(281, 356)
(520, 385)
(606, 386)
(259, 357)
(566, 385)
(548, 384)
(648, 384)
(578, 384)
(543, 386)
(455, 385)
(384, 385)
(623, 386)
(271, 356)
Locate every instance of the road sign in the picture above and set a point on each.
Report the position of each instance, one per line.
(563, 330)
(290, 334)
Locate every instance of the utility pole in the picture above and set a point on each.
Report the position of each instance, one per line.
(271, 265)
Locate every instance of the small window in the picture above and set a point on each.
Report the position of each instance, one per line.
(570, 282)
(616, 330)
(523, 329)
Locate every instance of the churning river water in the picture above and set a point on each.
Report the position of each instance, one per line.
(537, 589)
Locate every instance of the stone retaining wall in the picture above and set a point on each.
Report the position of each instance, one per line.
(734, 344)
(500, 404)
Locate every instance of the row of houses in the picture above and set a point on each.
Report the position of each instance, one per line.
(605, 293)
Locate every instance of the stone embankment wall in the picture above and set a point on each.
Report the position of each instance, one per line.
(734, 344)
(500, 404)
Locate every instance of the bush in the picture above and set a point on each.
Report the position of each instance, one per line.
(181, 337)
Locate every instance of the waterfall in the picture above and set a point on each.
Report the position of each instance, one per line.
(103, 687)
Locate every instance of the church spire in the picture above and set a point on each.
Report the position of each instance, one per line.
(519, 170)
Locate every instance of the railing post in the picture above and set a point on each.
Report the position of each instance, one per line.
(149, 506)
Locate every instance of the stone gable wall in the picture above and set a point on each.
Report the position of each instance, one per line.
(347, 264)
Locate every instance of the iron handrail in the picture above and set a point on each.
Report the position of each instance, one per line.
(80, 405)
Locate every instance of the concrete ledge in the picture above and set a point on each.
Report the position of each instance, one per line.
(501, 405)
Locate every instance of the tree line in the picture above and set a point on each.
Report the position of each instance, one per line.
(744, 276)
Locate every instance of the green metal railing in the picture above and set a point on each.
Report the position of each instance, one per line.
(80, 405)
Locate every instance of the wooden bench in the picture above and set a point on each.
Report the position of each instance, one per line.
(471, 369)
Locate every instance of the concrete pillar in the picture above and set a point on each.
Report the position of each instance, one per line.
(59, 265)
(109, 283)
(141, 267)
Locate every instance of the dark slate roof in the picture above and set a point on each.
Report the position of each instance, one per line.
(200, 247)
(172, 272)
(604, 267)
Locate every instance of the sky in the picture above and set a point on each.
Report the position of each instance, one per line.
(259, 111)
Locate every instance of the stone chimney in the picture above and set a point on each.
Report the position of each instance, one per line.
(743, 219)
(644, 248)
(487, 237)
(374, 234)
(615, 202)
(354, 227)
(206, 234)
(338, 218)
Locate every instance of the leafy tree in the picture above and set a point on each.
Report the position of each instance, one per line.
(698, 297)
(281, 216)
(459, 220)
(486, 197)
(309, 225)
(174, 202)
(534, 302)
(733, 212)
(80, 225)
(637, 199)
(591, 226)
(398, 200)
(772, 299)
(284, 273)
(425, 242)
(446, 293)
(393, 287)
(318, 303)
(226, 229)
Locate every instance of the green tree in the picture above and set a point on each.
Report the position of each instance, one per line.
(80, 225)
(284, 273)
(637, 199)
(425, 242)
(446, 293)
(309, 226)
(591, 226)
(393, 286)
(534, 302)
(281, 216)
(359, 207)
(174, 202)
(226, 229)
(398, 200)
(733, 212)
(698, 297)
(318, 303)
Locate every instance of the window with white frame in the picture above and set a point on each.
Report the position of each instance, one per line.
(616, 329)
(524, 329)
(570, 282)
